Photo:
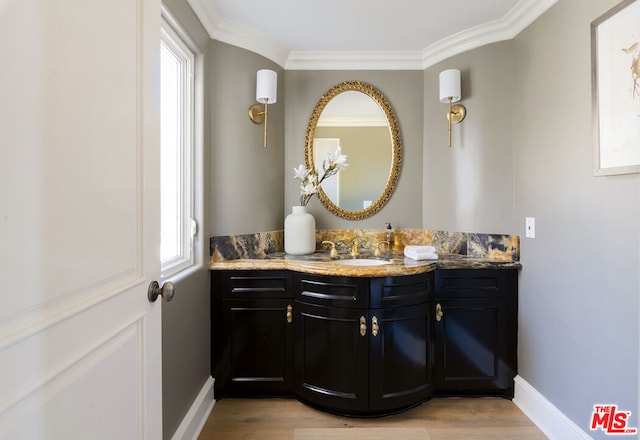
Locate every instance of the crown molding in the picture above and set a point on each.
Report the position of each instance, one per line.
(206, 13)
(242, 36)
(236, 34)
(509, 26)
(354, 60)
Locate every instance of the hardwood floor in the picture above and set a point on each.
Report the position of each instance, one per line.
(443, 418)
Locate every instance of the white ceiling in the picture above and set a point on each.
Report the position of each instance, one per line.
(366, 34)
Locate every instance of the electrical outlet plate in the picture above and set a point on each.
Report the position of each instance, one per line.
(530, 227)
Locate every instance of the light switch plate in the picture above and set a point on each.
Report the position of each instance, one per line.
(530, 227)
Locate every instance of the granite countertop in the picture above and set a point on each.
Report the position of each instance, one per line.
(320, 263)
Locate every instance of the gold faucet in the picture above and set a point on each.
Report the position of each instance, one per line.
(354, 248)
(378, 252)
(333, 253)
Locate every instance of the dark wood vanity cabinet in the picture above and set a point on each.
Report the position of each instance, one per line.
(363, 346)
(252, 333)
(476, 331)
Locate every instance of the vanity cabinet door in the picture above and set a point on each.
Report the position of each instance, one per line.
(401, 357)
(332, 357)
(252, 333)
(370, 360)
(259, 355)
(476, 332)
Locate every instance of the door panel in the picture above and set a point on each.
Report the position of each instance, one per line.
(332, 357)
(79, 342)
(403, 343)
(477, 333)
(110, 367)
(472, 352)
(259, 352)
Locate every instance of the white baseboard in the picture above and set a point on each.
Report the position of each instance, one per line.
(551, 421)
(197, 415)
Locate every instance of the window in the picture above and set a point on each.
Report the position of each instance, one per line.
(177, 102)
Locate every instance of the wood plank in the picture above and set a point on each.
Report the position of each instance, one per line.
(443, 418)
(360, 433)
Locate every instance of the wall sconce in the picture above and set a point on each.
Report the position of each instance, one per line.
(450, 93)
(266, 93)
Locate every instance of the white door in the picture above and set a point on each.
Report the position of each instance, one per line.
(79, 224)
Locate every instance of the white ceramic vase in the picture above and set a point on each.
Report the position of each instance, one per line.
(299, 232)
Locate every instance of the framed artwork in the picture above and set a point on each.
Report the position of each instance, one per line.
(615, 75)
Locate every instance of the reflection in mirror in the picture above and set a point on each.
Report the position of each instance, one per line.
(356, 117)
(353, 121)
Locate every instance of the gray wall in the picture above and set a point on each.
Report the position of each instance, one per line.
(525, 149)
(579, 283)
(403, 90)
(186, 351)
(246, 179)
(469, 187)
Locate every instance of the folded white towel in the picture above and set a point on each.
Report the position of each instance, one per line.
(429, 249)
(420, 254)
(410, 262)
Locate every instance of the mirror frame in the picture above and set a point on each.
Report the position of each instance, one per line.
(394, 172)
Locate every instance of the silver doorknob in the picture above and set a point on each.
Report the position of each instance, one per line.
(166, 291)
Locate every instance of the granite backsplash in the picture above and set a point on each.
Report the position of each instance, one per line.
(501, 247)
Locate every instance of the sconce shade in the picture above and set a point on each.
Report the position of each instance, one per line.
(266, 86)
(450, 85)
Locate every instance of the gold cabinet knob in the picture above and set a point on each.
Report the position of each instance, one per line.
(289, 314)
(439, 312)
(363, 326)
(374, 326)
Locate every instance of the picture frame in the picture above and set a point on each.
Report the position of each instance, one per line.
(615, 79)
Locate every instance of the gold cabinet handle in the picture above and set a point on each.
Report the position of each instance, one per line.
(363, 326)
(289, 314)
(439, 312)
(374, 326)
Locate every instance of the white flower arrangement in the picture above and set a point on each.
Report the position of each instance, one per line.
(308, 179)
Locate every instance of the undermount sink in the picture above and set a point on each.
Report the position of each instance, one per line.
(362, 262)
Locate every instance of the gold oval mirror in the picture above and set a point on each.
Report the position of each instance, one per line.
(355, 116)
